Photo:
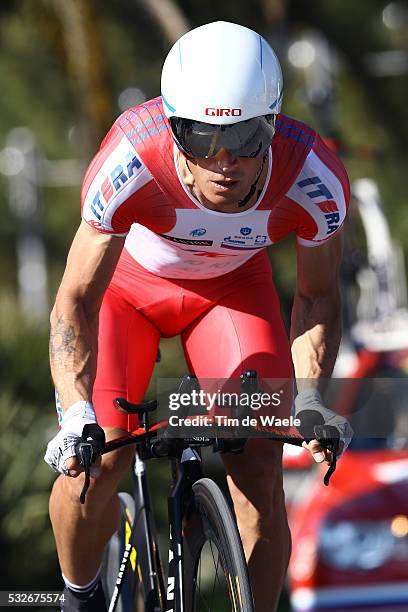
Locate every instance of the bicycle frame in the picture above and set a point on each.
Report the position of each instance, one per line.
(142, 533)
(144, 529)
(185, 471)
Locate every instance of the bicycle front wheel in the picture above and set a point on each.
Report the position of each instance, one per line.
(215, 572)
(113, 557)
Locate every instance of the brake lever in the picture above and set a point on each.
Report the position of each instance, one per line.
(84, 453)
(331, 470)
(328, 437)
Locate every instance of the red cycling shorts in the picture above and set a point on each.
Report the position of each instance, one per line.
(227, 325)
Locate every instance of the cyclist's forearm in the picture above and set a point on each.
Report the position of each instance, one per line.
(73, 350)
(315, 336)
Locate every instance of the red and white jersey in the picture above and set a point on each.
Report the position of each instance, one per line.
(133, 188)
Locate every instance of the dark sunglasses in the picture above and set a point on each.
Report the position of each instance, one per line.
(250, 138)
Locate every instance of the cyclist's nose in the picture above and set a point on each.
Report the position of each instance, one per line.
(225, 160)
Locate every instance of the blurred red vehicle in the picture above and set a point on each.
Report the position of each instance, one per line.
(350, 540)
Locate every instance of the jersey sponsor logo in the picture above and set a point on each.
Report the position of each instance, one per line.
(260, 239)
(244, 239)
(319, 190)
(113, 183)
(223, 112)
(236, 242)
(199, 231)
(331, 214)
(328, 207)
(185, 241)
(333, 222)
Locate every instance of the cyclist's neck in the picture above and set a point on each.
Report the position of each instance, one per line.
(215, 199)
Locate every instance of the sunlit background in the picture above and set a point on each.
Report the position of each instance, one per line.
(69, 68)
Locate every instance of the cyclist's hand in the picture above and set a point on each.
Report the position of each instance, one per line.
(73, 468)
(60, 454)
(310, 400)
(319, 454)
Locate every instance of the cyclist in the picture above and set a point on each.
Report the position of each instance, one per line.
(178, 206)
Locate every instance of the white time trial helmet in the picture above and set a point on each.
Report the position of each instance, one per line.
(222, 88)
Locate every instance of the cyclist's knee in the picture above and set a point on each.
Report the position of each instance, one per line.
(261, 459)
(255, 481)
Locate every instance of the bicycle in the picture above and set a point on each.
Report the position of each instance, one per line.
(198, 513)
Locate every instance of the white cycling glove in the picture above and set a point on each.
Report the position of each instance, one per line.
(62, 446)
(310, 399)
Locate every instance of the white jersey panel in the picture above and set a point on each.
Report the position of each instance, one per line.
(320, 193)
(121, 174)
(202, 244)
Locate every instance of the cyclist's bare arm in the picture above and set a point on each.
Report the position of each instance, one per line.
(316, 314)
(74, 319)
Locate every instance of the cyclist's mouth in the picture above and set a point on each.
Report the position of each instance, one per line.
(225, 184)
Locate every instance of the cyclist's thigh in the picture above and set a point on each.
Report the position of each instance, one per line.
(127, 349)
(242, 331)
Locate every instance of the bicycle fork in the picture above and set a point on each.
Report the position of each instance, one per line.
(185, 474)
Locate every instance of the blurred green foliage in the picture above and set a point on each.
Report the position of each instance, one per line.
(40, 89)
(26, 423)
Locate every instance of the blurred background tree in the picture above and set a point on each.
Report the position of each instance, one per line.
(69, 69)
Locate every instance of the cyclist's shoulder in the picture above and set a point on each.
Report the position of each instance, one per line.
(315, 191)
(147, 131)
(291, 145)
(130, 177)
(300, 145)
(143, 129)
(119, 178)
(137, 137)
(145, 124)
(293, 133)
(304, 159)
